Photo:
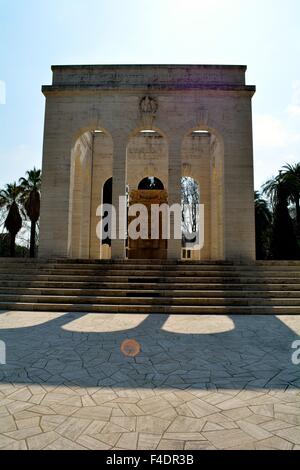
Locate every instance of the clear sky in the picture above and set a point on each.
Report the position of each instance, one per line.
(262, 34)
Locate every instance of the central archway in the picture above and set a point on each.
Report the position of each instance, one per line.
(150, 192)
(147, 179)
(151, 183)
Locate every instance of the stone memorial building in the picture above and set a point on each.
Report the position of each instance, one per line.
(109, 128)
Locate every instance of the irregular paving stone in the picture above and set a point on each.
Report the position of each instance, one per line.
(93, 412)
(170, 445)
(199, 445)
(18, 406)
(151, 425)
(6, 441)
(37, 399)
(108, 438)
(124, 422)
(117, 412)
(290, 434)
(212, 427)
(17, 445)
(168, 414)
(238, 413)
(7, 423)
(51, 422)
(91, 443)
(263, 410)
(275, 443)
(185, 410)
(87, 401)
(275, 425)
(95, 427)
(229, 438)
(128, 441)
(288, 418)
(185, 424)
(148, 441)
(152, 405)
(72, 427)
(231, 404)
(130, 409)
(40, 441)
(28, 423)
(64, 444)
(249, 446)
(111, 428)
(186, 436)
(3, 411)
(253, 430)
(257, 419)
(41, 410)
(223, 421)
(200, 408)
(20, 395)
(24, 433)
(286, 409)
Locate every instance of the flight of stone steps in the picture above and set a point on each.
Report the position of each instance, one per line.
(150, 286)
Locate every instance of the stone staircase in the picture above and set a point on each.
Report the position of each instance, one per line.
(153, 286)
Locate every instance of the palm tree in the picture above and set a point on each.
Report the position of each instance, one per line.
(263, 226)
(292, 176)
(284, 242)
(9, 199)
(30, 199)
(271, 188)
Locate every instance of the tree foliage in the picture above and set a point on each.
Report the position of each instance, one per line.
(18, 203)
(283, 192)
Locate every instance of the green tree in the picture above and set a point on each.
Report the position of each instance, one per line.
(263, 227)
(9, 200)
(31, 199)
(284, 242)
(292, 176)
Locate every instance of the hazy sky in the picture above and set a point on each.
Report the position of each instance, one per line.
(262, 34)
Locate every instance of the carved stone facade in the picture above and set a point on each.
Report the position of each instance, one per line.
(130, 122)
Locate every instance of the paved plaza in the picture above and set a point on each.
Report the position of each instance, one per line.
(199, 382)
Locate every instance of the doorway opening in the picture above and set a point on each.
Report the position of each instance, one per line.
(150, 192)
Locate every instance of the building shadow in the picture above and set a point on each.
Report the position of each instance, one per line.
(233, 352)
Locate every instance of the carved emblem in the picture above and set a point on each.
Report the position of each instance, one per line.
(148, 105)
(148, 109)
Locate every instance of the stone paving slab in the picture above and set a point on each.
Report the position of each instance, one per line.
(226, 383)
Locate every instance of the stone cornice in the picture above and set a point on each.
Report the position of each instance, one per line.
(74, 89)
(151, 66)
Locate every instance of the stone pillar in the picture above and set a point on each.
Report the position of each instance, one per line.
(96, 200)
(54, 225)
(217, 200)
(205, 253)
(85, 221)
(239, 233)
(174, 193)
(119, 189)
(74, 207)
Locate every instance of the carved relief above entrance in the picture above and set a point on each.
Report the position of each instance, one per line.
(148, 109)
